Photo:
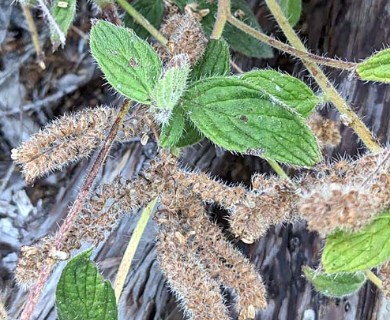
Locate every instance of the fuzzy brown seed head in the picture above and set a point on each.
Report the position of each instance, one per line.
(338, 206)
(31, 261)
(185, 35)
(66, 140)
(327, 131)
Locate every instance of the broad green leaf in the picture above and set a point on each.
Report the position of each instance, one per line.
(335, 285)
(235, 115)
(236, 38)
(214, 62)
(152, 10)
(284, 89)
(358, 251)
(172, 132)
(376, 67)
(130, 64)
(63, 12)
(292, 9)
(83, 294)
(170, 87)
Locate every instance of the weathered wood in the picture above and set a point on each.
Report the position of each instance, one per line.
(349, 29)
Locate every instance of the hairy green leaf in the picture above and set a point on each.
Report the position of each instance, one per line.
(170, 87)
(152, 10)
(284, 89)
(63, 12)
(235, 115)
(292, 9)
(358, 251)
(335, 285)
(190, 135)
(376, 67)
(173, 130)
(130, 64)
(83, 294)
(214, 62)
(236, 38)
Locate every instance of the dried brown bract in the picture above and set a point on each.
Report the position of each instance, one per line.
(327, 131)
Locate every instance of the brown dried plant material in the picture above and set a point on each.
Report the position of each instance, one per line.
(31, 261)
(222, 260)
(327, 131)
(271, 201)
(66, 140)
(338, 206)
(185, 35)
(347, 195)
(189, 280)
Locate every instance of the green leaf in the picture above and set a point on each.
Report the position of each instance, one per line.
(335, 285)
(235, 115)
(130, 64)
(152, 10)
(190, 135)
(180, 4)
(358, 251)
(170, 87)
(172, 132)
(284, 89)
(83, 294)
(63, 12)
(237, 39)
(292, 10)
(214, 62)
(376, 67)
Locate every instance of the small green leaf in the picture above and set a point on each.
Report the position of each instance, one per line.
(284, 89)
(83, 294)
(335, 285)
(170, 87)
(214, 62)
(235, 115)
(130, 64)
(358, 251)
(236, 38)
(63, 12)
(292, 10)
(152, 10)
(190, 135)
(376, 67)
(173, 130)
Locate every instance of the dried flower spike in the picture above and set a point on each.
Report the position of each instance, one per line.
(190, 282)
(66, 140)
(327, 131)
(185, 35)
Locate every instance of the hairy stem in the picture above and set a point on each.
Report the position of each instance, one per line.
(131, 248)
(140, 19)
(76, 208)
(34, 35)
(222, 14)
(350, 117)
(333, 63)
